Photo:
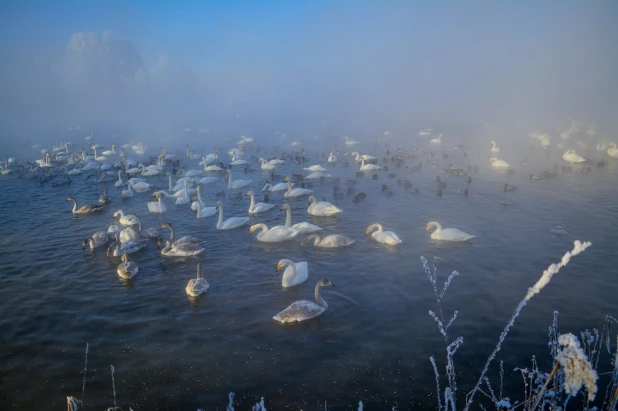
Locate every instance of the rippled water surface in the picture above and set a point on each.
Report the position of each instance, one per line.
(374, 341)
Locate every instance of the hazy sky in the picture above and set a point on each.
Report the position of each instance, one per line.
(152, 65)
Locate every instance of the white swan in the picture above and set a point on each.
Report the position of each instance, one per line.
(304, 227)
(199, 285)
(572, 157)
(117, 248)
(498, 163)
(237, 183)
(330, 241)
(230, 223)
(87, 209)
(127, 269)
(304, 310)
(157, 206)
(276, 187)
(436, 140)
(368, 167)
(124, 219)
(295, 192)
(494, 147)
(139, 187)
(182, 240)
(274, 235)
(265, 166)
(259, 207)
(322, 208)
(127, 193)
(145, 232)
(447, 234)
(202, 210)
(294, 274)
(611, 150)
(365, 157)
(384, 237)
(184, 199)
(96, 240)
(349, 142)
(236, 161)
(314, 168)
(332, 158)
(317, 175)
(180, 250)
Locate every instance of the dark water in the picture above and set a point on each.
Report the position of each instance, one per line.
(372, 344)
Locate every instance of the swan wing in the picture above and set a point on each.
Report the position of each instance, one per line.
(305, 228)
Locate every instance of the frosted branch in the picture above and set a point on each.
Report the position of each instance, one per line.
(448, 282)
(435, 371)
(440, 324)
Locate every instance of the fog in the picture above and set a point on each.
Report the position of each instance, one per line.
(327, 69)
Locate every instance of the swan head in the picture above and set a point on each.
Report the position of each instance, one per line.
(69, 198)
(249, 193)
(124, 258)
(324, 282)
(286, 180)
(311, 200)
(166, 225)
(285, 207)
(309, 238)
(219, 205)
(85, 243)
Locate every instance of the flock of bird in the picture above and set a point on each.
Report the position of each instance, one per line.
(128, 236)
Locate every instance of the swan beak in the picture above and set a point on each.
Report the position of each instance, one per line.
(332, 285)
(427, 228)
(366, 231)
(278, 267)
(250, 231)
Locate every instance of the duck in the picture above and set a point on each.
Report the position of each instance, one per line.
(509, 187)
(303, 310)
(276, 234)
(294, 274)
(447, 234)
(236, 184)
(157, 206)
(198, 285)
(86, 209)
(572, 157)
(322, 208)
(95, 240)
(259, 207)
(330, 241)
(295, 192)
(230, 223)
(496, 163)
(124, 219)
(304, 227)
(127, 269)
(381, 236)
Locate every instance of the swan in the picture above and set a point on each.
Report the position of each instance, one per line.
(4, 170)
(304, 227)
(237, 183)
(145, 232)
(210, 159)
(212, 167)
(368, 167)
(207, 180)
(156, 206)
(230, 223)
(127, 193)
(184, 199)
(296, 192)
(611, 150)
(322, 208)
(384, 237)
(330, 241)
(236, 161)
(75, 171)
(572, 157)
(277, 187)
(498, 163)
(349, 142)
(314, 168)
(119, 182)
(436, 140)
(294, 274)
(202, 210)
(180, 250)
(87, 209)
(103, 198)
(317, 175)
(96, 240)
(117, 248)
(182, 240)
(199, 285)
(124, 219)
(274, 235)
(149, 172)
(276, 162)
(259, 207)
(331, 158)
(494, 147)
(197, 202)
(139, 187)
(304, 310)
(447, 234)
(365, 157)
(127, 269)
(111, 152)
(266, 166)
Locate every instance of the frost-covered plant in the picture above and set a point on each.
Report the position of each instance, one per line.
(577, 369)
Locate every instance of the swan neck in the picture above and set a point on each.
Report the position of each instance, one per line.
(172, 231)
(318, 297)
(229, 181)
(252, 202)
(170, 183)
(220, 216)
(288, 218)
(289, 275)
(74, 205)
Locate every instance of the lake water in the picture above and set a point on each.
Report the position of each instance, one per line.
(373, 343)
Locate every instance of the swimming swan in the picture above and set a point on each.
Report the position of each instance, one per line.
(294, 274)
(494, 147)
(330, 241)
(384, 237)
(199, 285)
(295, 192)
(182, 240)
(276, 187)
(145, 232)
(96, 240)
(87, 209)
(259, 207)
(572, 157)
(611, 150)
(304, 310)
(230, 223)
(304, 227)
(124, 219)
(368, 167)
(127, 269)
(157, 206)
(447, 234)
(498, 163)
(237, 183)
(180, 250)
(322, 208)
(276, 234)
